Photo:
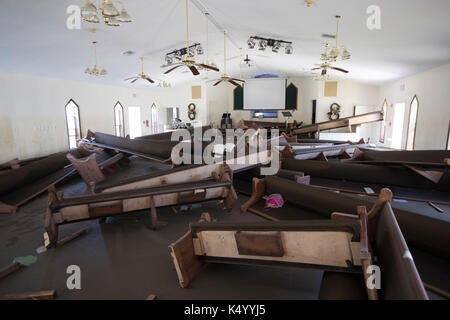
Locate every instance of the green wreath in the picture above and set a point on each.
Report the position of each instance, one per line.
(334, 111)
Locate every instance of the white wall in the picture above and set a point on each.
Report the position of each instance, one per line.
(32, 116)
(181, 96)
(350, 93)
(432, 88)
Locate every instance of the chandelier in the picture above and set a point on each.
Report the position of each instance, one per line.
(207, 62)
(96, 70)
(107, 11)
(164, 84)
(334, 53)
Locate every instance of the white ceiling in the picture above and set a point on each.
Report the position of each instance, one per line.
(414, 37)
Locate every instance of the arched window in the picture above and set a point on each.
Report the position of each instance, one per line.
(119, 124)
(413, 113)
(154, 119)
(73, 123)
(383, 123)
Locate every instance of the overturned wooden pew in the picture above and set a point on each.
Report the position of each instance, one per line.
(19, 186)
(423, 230)
(349, 122)
(342, 245)
(370, 173)
(69, 210)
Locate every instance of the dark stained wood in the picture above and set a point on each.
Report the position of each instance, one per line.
(5, 271)
(39, 295)
(266, 244)
(187, 264)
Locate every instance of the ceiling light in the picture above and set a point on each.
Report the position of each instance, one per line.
(111, 21)
(289, 49)
(334, 54)
(251, 43)
(124, 16)
(95, 70)
(169, 60)
(345, 54)
(89, 9)
(262, 45)
(108, 9)
(199, 50)
(276, 46)
(111, 16)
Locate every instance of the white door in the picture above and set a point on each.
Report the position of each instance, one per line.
(135, 122)
(397, 125)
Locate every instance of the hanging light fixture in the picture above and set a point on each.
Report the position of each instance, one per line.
(207, 62)
(164, 84)
(334, 54)
(96, 70)
(107, 11)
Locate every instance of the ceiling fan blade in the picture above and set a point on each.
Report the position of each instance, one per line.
(339, 69)
(238, 80)
(324, 72)
(232, 82)
(129, 78)
(149, 80)
(194, 70)
(316, 69)
(215, 84)
(134, 80)
(170, 70)
(207, 67)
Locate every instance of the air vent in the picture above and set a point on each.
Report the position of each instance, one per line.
(128, 53)
(329, 36)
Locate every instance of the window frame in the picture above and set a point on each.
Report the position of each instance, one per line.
(409, 122)
(67, 120)
(154, 128)
(447, 146)
(383, 124)
(123, 119)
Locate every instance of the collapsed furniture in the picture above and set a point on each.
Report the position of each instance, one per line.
(397, 175)
(349, 122)
(180, 185)
(425, 158)
(342, 245)
(156, 147)
(20, 185)
(426, 230)
(319, 151)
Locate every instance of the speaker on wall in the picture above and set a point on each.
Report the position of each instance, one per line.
(314, 104)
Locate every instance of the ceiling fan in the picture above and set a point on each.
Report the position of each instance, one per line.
(225, 77)
(325, 66)
(141, 75)
(188, 60)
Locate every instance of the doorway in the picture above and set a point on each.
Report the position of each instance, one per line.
(135, 122)
(397, 125)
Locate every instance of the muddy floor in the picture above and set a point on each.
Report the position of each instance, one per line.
(124, 259)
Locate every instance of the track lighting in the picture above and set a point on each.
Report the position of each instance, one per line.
(289, 49)
(195, 49)
(199, 50)
(251, 43)
(276, 46)
(263, 43)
